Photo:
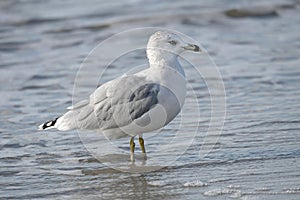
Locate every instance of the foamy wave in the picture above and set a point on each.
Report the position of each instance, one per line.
(217, 192)
(157, 183)
(194, 184)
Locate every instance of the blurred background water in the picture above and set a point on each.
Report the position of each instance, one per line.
(256, 46)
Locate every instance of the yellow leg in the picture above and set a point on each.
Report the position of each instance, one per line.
(141, 140)
(132, 145)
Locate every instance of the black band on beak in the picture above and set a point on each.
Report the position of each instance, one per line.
(192, 47)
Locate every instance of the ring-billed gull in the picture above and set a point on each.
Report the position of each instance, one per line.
(135, 104)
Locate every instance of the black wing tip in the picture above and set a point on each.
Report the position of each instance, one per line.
(48, 124)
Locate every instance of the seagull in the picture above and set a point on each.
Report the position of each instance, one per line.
(134, 104)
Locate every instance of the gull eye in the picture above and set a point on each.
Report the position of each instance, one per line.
(172, 42)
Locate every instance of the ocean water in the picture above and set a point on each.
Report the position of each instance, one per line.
(256, 48)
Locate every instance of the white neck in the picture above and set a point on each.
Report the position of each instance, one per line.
(161, 58)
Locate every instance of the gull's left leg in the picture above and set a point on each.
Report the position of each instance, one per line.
(141, 140)
(132, 145)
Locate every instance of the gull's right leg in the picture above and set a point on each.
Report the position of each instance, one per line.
(132, 145)
(141, 140)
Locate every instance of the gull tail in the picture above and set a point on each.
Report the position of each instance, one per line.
(48, 125)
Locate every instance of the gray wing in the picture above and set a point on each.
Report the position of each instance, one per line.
(127, 98)
(114, 104)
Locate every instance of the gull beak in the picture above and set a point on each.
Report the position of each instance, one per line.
(192, 47)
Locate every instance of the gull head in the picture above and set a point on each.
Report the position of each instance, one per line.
(169, 43)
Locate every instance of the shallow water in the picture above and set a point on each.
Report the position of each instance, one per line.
(257, 156)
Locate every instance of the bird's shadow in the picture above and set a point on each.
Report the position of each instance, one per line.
(122, 163)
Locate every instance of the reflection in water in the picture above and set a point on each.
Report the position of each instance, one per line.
(128, 186)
